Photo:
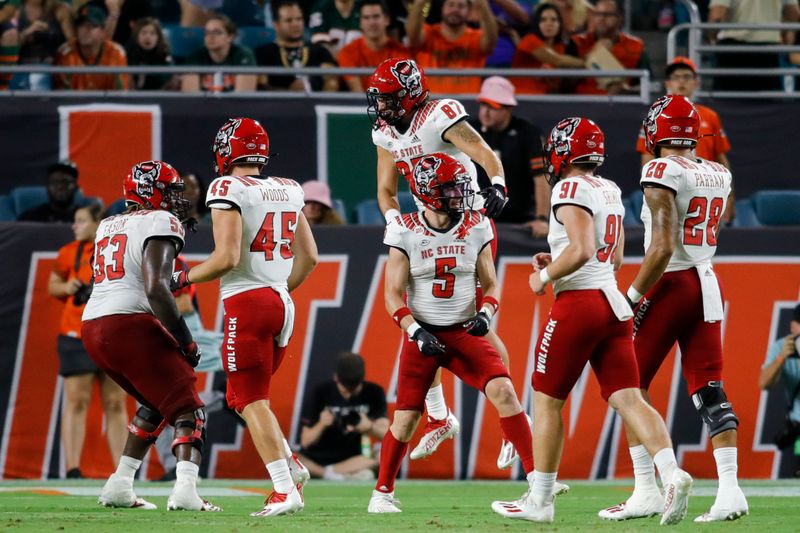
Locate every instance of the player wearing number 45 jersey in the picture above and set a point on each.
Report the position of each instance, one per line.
(134, 333)
(679, 296)
(263, 250)
(590, 321)
(435, 259)
(407, 126)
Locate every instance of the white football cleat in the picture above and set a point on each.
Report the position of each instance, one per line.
(729, 505)
(282, 504)
(641, 504)
(436, 432)
(299, 472)
(525, 509)
(508, 454)
(676, 497)
(560, 488)
(383, 502)
(184, 497)
(118, 492)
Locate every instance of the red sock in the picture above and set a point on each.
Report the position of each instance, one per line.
(518, 432)
(392, 453)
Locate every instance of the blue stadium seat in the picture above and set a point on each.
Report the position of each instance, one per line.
(183, 42)
(28, 197)
(407, 204)
(745, 214)
(631, 218)
(636, 199)
(116, 208)
(255, 36)
(338, 206)
(777, 208)
(7, 209)
(368, 213)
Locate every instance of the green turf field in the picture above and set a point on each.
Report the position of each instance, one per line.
(435, 506)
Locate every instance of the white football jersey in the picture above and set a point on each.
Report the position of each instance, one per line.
(701, 193)
(443, 264)
(603, 200)
(118, 250)
(270, 209)
(424, 137)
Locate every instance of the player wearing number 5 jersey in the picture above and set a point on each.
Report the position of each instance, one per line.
(590, 321)
(263, 250)
(134, 333)
(679, 296)
(407, 126)
(435, 258)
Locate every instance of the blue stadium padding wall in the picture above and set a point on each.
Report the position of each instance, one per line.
(341, 308)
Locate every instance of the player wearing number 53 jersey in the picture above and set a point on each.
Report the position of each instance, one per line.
(435, 258)
(263, 250)
(590, 321)
(134, 333)
(678, 293)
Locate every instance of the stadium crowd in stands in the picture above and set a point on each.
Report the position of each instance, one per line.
(543, 34)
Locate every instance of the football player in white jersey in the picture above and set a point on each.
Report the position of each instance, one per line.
(406, 127)
(263, 250)
(680, 298)
(134, 333)
(590, 321)
(434, 259)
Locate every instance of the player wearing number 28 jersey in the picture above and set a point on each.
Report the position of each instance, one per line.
(590, 321)
(678, 293)
(263, 249)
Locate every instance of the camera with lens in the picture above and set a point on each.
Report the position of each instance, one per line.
(347, 417)
(82, 295)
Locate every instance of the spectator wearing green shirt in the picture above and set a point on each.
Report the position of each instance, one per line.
(219, 49)
(9, 38)
(334, 23)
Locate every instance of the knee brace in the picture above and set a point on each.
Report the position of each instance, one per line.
(150, 416)
(715, 409)
(198, 435)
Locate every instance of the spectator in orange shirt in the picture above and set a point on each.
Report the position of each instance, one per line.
(544, 48)
(606, 19)
(92, 48)
(451, 43)
(713, 144)
(70, 281)
(374, 47)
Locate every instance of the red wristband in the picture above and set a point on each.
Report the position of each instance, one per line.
(491, 301)
(400, 314)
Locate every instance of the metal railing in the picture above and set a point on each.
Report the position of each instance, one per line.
(219, 71)
(696, 48)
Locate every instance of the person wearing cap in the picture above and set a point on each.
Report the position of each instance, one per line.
(91, 48)
(783, 364)
(519, 145)
(319, 206)
(62, 186)
(713, 145)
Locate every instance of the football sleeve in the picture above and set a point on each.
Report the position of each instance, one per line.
(167, 226)
(662, 172)
(225, 193)
(395, 237)
(447, 114)
(572, 191)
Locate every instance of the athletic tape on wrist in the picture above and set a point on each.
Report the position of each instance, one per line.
(544, 275)
(634, 295)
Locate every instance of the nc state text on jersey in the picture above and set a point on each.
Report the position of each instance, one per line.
(404, 153)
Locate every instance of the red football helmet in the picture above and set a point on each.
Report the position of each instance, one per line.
(156, 185)
(440, 181)
(672, 120)
(573, 140)
(396, 89)
(240, 141)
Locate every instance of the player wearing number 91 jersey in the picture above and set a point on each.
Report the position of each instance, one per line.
(678, 293)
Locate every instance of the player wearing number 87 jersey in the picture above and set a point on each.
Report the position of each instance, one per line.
(263, 250)
(678, 293)
(590, 321)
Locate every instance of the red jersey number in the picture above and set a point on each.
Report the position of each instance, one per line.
(116, 268)
(452, 109)
(611, 238)
(568, 190)
(655, 170)
(265, 241)
(220, 187)
(703, 211)
(444, 281)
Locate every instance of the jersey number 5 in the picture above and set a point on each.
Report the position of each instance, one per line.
(444, 280)
(264, 240)
(111, 271)
(692, 236)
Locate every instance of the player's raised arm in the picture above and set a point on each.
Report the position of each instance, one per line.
(387, 182)
(304, 249)
(415, 23)
(227, 226)
(661, 202)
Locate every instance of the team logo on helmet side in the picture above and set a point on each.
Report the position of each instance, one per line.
(222, 142)
(409, 77)
(425, 173)
(145, 176)
(562, 134)
(655, 111)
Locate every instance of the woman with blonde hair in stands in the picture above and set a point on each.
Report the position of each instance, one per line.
(70, 281)
(319, 206)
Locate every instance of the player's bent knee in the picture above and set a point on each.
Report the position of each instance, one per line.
(625, 399)
(715, 409)
(190, 428)
(147, 424)
(500, 391)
